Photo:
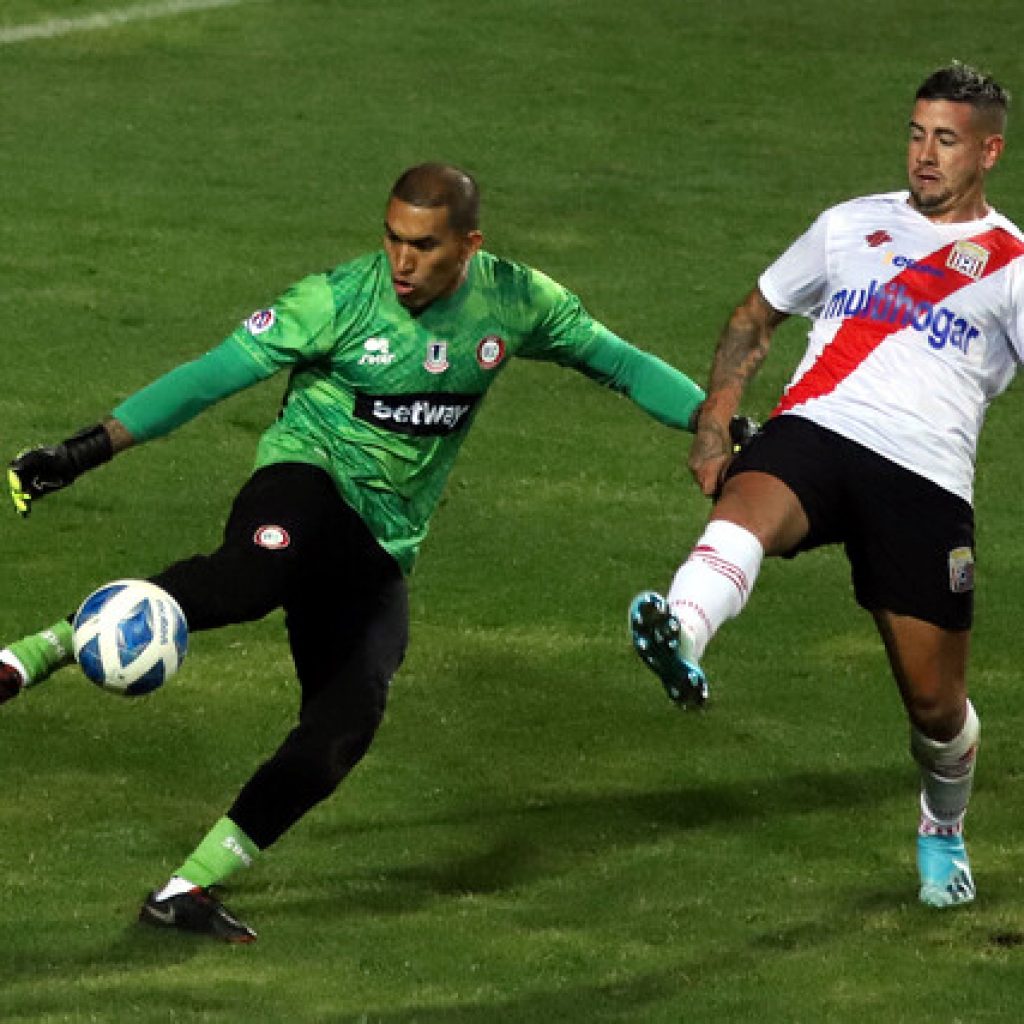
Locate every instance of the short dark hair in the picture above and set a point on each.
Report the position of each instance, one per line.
(434, 184)
(961, 83)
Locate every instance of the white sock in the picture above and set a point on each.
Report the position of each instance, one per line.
(175, 887)
(947, 776)
(8, 657)
(713, 584)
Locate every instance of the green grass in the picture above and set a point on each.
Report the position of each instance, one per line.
(536, 835)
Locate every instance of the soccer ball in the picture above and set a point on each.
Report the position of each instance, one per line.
(130, 636)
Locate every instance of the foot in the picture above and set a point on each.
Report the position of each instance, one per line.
(11, 681)
(38, 655)
(196, 911)
(666, 650)
(945, 871)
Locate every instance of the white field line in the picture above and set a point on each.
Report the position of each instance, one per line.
(56, 27)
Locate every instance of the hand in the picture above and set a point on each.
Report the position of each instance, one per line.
(38, 472)
(714, 448)
(710, 454)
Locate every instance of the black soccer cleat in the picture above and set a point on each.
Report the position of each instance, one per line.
(11, 682)
(196, 911)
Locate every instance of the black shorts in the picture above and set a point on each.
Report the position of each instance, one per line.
(910, 543)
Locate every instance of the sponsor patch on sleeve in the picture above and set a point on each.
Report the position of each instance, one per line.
(261, 321)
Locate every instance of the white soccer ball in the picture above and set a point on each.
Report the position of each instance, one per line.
(130, 636)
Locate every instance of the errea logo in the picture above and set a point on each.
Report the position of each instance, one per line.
(377, 352)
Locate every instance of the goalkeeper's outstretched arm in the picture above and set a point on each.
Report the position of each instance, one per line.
(156, 410)
(40, 471)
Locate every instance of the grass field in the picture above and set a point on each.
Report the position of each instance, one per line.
(536, 835)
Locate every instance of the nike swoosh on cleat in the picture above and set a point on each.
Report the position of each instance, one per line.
(163, 916)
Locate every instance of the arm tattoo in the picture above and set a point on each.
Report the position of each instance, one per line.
(741, 350)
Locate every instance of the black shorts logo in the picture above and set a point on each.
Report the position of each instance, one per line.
(273, 538)
(424, 413)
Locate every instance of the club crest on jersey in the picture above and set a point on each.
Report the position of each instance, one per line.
(968, 258)
(261, 321)
(490, 351)
(437, 357)
(273, 538)
(961, 570)
(377, 352)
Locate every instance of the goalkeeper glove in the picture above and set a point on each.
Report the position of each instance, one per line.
(40, 471)
(742, 430)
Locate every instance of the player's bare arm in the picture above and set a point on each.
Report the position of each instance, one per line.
(742, 347)
(120, 439)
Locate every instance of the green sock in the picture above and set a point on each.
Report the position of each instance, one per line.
(43, 653)
(225, 849)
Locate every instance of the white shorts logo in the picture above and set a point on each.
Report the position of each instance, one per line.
(273, 538)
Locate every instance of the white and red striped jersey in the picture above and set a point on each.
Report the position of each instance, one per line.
(916, 327)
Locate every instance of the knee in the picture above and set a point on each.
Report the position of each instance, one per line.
(948, 755)
(937, 716)
(330, 757)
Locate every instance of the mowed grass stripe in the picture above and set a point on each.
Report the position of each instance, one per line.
(56, 27)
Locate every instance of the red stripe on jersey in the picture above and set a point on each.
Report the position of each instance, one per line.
(860, 336)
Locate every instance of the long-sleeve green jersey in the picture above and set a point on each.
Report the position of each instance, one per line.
(381, 397)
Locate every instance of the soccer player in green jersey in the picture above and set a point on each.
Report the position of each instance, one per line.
(389, 356)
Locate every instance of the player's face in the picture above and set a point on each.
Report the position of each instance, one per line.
(428, 257)
(948, 155)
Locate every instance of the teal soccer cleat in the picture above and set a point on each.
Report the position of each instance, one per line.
(665, 650)
(945, 871)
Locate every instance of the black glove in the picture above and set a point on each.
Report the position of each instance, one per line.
(742, 430)
(40, 471)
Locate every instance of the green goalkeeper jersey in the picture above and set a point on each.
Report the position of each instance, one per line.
(381, 397)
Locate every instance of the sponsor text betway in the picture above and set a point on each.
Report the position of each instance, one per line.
(426, 413)
(892, 303)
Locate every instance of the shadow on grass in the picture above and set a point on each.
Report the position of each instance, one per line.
(68, 956)
(625, 1001)
(541, 838)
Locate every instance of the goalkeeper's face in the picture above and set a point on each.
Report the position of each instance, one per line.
(428, 257)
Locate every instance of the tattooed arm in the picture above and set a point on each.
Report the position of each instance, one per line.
(742, 347)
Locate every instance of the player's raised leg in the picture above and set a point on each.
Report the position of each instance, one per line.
(671, 633)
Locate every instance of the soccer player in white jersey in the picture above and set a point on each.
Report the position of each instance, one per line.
(916, 303)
